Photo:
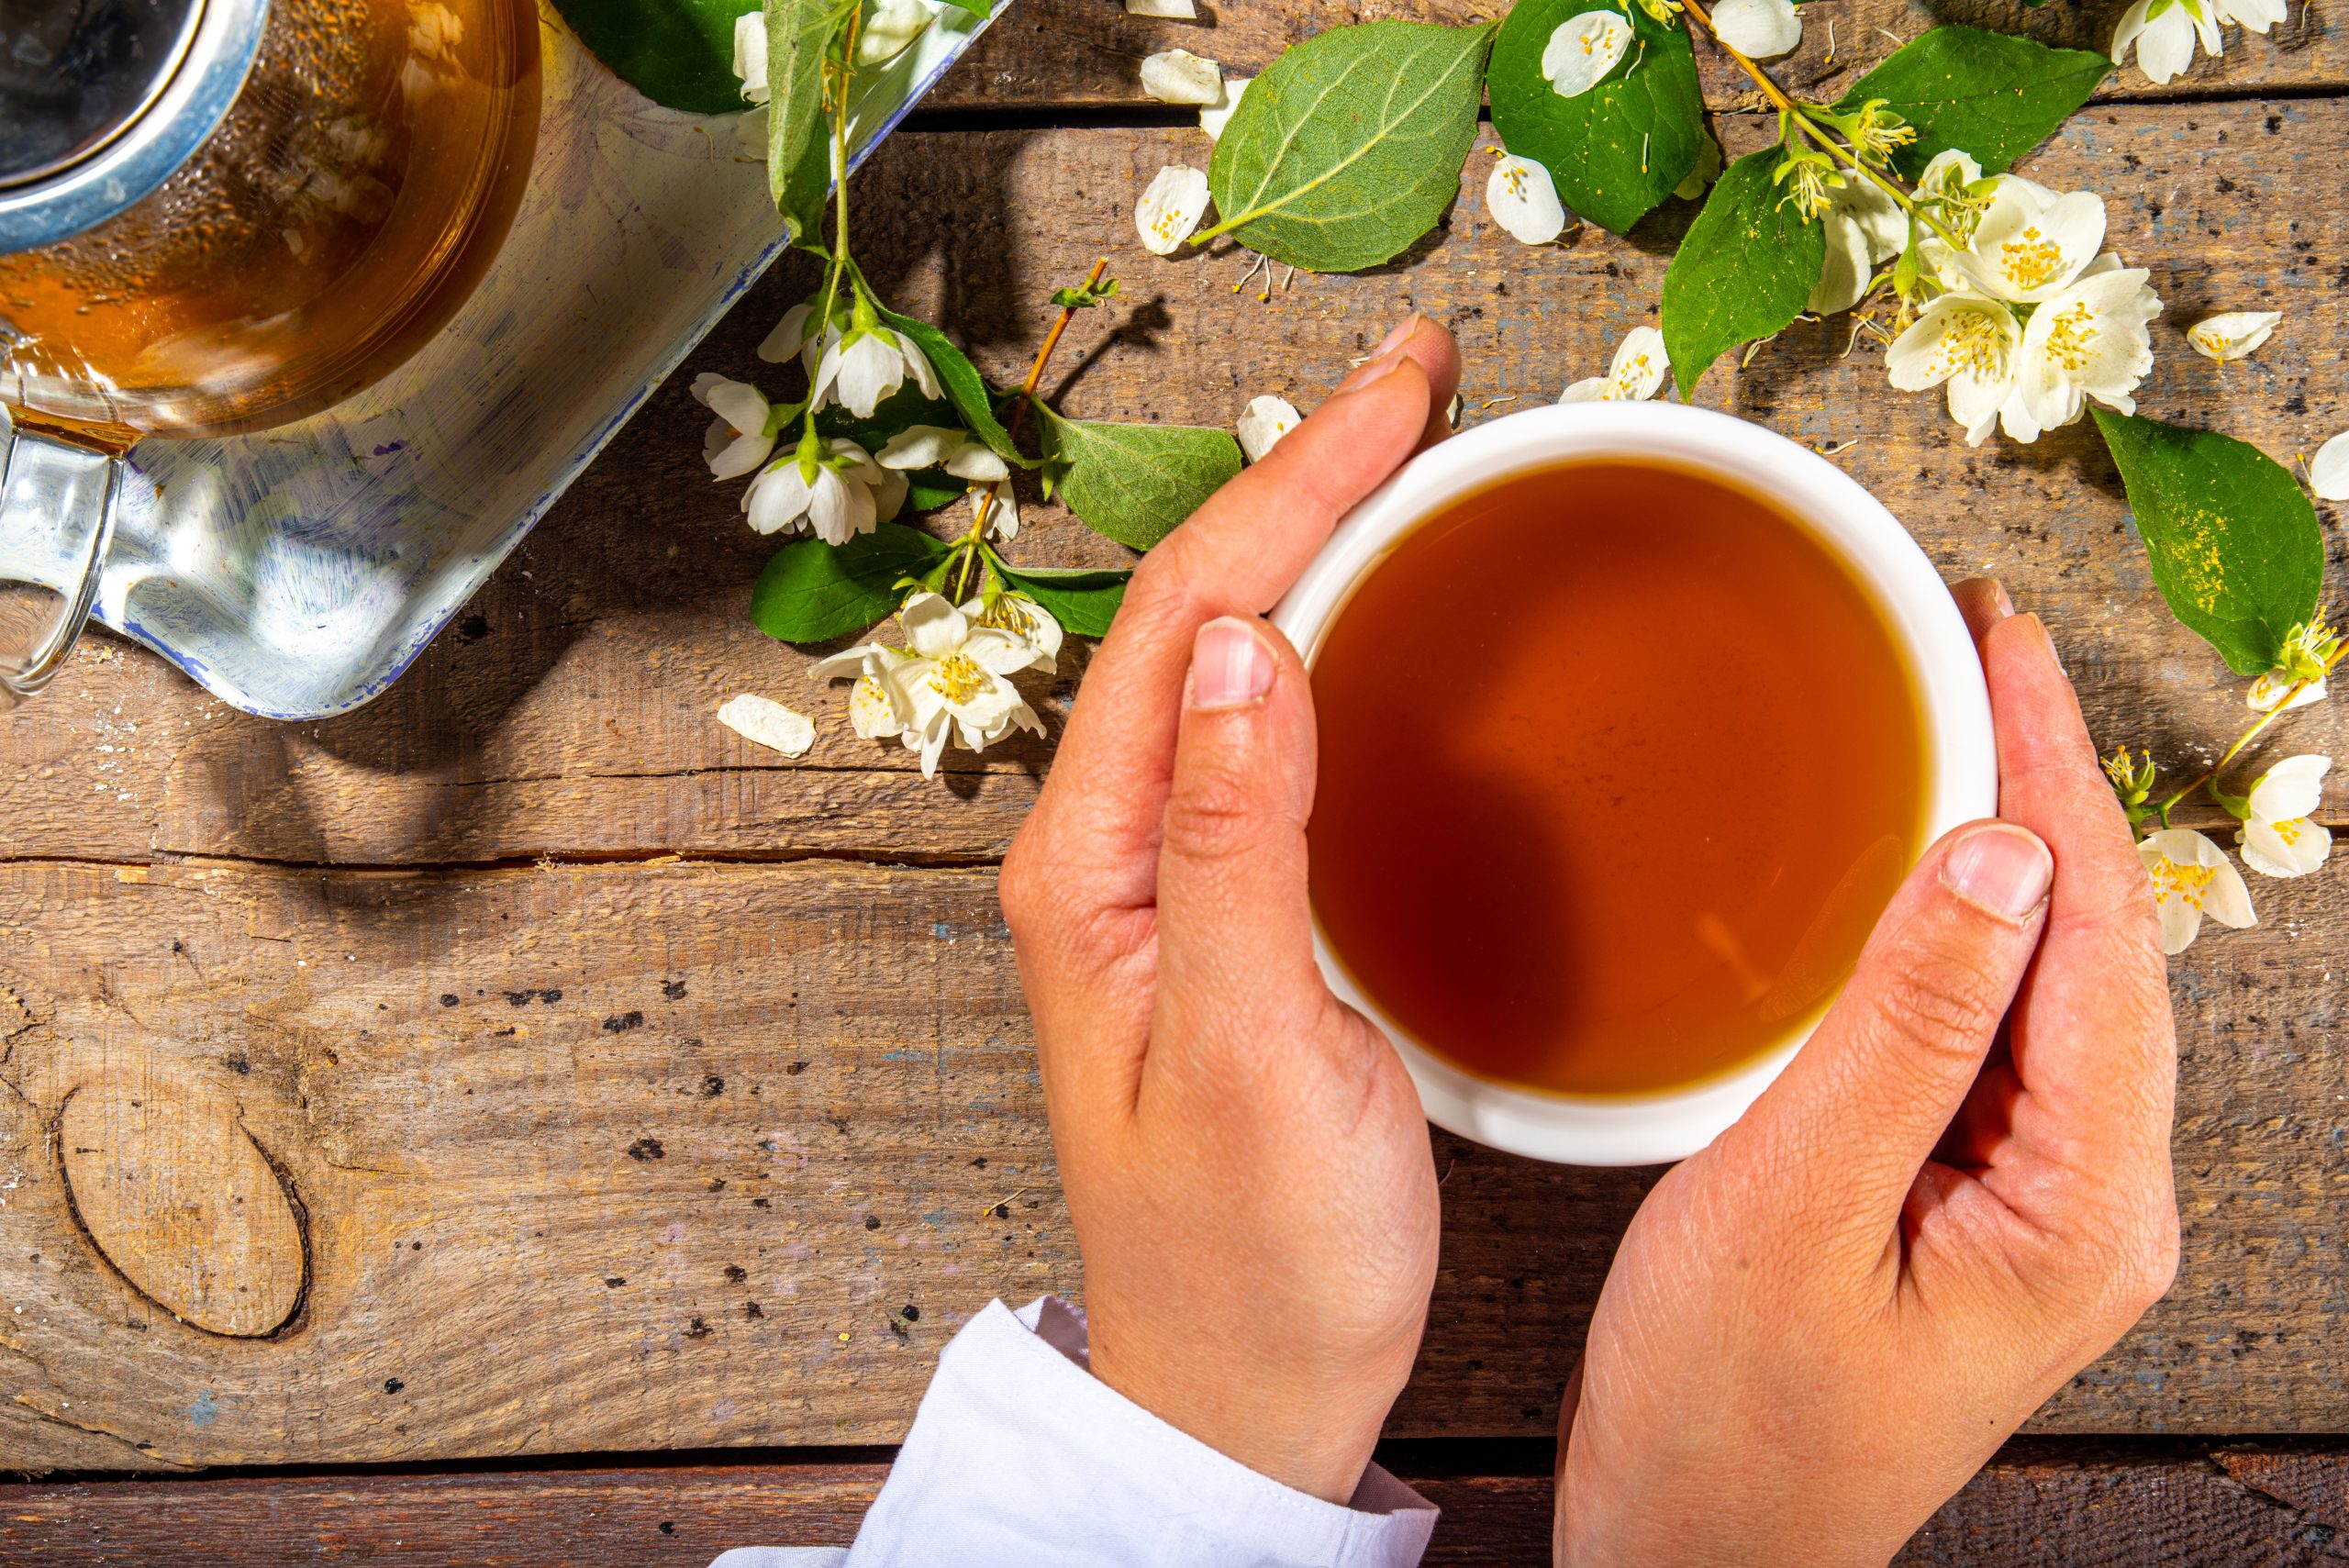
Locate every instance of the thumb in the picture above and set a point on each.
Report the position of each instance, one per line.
(1235, 931)
(1846, 1127)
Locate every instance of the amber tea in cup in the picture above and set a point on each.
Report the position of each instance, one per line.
(1619, 765)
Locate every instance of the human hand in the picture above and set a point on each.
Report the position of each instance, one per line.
(1820, 1327)
(1245, 1160)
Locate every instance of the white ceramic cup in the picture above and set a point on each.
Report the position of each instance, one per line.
(1961, 772)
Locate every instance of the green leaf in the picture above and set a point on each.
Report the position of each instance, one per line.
(812, 592)
(1084, 602)
(1135, 482)
(678, 53)
(1745, 270)
(1617, 149)
(2233, 541)
(1995, 96)
(1349, 147)
(964, 386)
(800, 39)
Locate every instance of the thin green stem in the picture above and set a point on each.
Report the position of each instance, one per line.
(973, 539)
(839, 179)
(1817, 132)
(2209, 776)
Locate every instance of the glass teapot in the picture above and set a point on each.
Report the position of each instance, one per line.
(221, 216)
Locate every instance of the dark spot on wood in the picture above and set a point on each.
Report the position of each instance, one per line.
(712, 1086)
(669, 1526)
(393, 1385)
(750, 1309)
(448, 999)
(872, 1222)
(715, 1184)
(2274, 124)
(697, 1329)
(673, 989)
(622, 1022)
(415, 1246)
(2225, 184)
(613, 1282)
(736, 1272)
(979, 1163)
(2297, 404)
(240, 1064)
(647, 1149)
(910, 1313)
(506, 1033)
(761, 1203)
(797, 1068)
(474, 627)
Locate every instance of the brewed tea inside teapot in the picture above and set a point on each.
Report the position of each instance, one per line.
(221, 216)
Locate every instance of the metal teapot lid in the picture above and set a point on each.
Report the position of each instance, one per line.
(102, 99)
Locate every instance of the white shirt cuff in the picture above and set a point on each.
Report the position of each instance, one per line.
(1021, 1457)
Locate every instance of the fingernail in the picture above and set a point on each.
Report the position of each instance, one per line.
(2001, 868)
(1231, 666)
(2001, 598)
(2048, 638)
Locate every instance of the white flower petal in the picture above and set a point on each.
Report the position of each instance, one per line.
(1003, 512)
(1029, 621)
(1523, 200)
(767, 722)
(1582, 50)
(790, 334)
(2231, 334)
(2257, 15)
(871, 713)
(859, 373)
(1171, 208)
(2164, 33)
(933, 627)
(1182, 10)
(1216, 116)
(922, 446)
(777, 499)
(2329, 470)
(1178, 76)
(1972, 343)
(1759, 28)
(1262, 425)
(889, 495)
(751, 55)
(2088, 341)
(2027, 249)
(1589, 389)
(919, 367)
(731, 455)
(890, 29)
(976, 461)
(2193, 877)
(2291, 788)
(2293, 847)
(1637, 371)
(2269, 689)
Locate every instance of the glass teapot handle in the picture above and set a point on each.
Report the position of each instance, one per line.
(57, 511)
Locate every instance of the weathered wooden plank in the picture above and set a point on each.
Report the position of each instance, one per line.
(631, 1157)
(1088, 52)
(2036, 1506)
(568, 712)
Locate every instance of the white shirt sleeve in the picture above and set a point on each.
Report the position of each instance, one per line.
(1021, 1458)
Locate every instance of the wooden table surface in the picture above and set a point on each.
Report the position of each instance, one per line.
(568, 1089)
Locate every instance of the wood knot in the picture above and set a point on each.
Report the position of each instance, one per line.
(176, 1194)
